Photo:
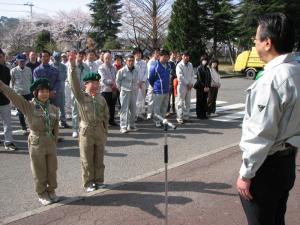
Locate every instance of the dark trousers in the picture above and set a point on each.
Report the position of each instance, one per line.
(201, 102)
(270, 190)
(212, 99)
(111, 102)
(171, 96)
(21, 115)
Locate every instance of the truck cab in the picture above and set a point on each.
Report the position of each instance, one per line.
(248, 62)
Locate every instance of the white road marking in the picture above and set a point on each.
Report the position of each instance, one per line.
(229, 117)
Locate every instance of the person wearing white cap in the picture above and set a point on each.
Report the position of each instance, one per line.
(21, 79)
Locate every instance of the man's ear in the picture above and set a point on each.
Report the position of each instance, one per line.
(268, 44)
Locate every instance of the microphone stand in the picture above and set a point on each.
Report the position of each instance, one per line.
(166, 124)
(166, 159)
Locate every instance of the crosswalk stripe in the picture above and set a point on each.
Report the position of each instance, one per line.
(193, 100)
(230, 107)
(230, 117)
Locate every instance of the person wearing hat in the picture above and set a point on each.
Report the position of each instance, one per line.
(185, 76)
(59, 99)
(5, 107)
(42, 119)
(159, 79)
(21, 79)
(93, 111)
(127, 83)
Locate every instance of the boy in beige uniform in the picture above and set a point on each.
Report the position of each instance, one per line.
(42, 118)
(94, 115)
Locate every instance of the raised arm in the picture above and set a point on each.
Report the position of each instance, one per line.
(73, 79)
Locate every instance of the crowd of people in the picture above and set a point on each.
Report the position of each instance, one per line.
(140, 87)
(49, 89)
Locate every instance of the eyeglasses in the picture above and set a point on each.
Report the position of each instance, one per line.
(254, 39)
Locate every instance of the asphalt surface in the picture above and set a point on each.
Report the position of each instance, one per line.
(127, 157)
(200, 192)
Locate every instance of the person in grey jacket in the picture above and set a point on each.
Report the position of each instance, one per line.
(60, 95)
(108, 86)
(271, 126)
(127, 83)
(21, 79)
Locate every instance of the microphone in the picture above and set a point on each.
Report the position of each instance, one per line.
(164, 121)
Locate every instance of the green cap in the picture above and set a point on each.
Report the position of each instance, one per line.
(40, 83)
(91, 76)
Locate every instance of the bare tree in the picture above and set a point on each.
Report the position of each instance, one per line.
(145, 22)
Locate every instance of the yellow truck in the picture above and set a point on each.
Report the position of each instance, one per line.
(248, 62)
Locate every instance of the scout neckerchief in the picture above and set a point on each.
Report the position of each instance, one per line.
(96, 106)
(45, 109)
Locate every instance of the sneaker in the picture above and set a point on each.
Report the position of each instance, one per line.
(113, 123)
(100, 185)
(64, 125)
(54, 197)
(25, 131)
(75, 134)
(180, 121)
(158, 124)
(132, 129)
(123, 130)
(10, 147)
(45, 200)
(91, 187)
(168, 114)
(140, 118)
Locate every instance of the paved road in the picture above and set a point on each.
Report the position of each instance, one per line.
(200, 192)
(127, 156)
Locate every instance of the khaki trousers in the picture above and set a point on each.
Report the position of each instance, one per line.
(92, 140)
(42, 151)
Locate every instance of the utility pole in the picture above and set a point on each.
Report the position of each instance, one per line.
(30, 5)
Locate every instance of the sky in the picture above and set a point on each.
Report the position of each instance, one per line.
(17, 9)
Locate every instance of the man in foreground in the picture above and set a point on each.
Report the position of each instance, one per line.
(271, 126)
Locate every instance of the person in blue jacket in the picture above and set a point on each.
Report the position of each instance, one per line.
(159, 78)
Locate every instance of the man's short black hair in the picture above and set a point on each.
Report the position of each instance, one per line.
(90, 51)
(155, 50)
(136, 50)
(280, 29)
(46, 51)
(82, 52)
(129, 56)
(164, 52)
(118, 57)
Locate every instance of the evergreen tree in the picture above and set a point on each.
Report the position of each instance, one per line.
(292, 9)
(106, 17)
(219, 20)
(187, 30)
(44, 41)
(248, 13)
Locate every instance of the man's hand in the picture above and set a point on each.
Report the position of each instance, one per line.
(189, 86)
(72, 59)
(243, 187)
